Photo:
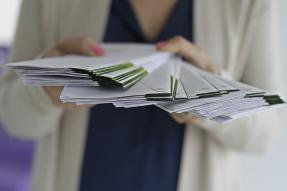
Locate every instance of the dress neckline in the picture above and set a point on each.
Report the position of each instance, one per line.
(134, 24)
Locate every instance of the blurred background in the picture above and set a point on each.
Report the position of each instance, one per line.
(259, 172)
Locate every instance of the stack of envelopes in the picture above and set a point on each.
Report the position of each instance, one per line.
(133, 75)
(125, 65)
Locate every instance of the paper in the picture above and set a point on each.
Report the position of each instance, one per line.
(134, 75)
(124, 66)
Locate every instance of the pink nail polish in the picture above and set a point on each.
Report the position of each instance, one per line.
(98, 50)
(161, 44)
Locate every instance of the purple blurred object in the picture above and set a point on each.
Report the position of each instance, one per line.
(15, 155)
(4, 51)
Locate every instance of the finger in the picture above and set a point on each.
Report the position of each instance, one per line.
(71, 106)
(66, 106)
(189, 51)
(83, 46)
(54, 92)
(178, 117)
(194, 120)
(53, 53)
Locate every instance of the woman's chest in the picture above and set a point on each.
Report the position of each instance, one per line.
(153, 15)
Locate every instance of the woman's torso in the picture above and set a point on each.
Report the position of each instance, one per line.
(137, 148)
(61, 19)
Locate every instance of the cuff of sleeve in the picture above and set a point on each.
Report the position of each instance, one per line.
(208, 124)
(41, 99)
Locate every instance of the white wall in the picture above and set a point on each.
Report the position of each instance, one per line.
(269, 172)
(283, 21)
(8, 17)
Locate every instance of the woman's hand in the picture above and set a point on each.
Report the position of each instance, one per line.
(190, 52)
(182, 118)
(81, 46)
(194, 55)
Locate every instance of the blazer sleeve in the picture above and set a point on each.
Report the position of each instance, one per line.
(27, 111)
(262, 69)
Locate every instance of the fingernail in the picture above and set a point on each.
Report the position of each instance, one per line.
(98, 50)
(161, 44)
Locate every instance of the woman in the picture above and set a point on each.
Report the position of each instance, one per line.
(142, 148)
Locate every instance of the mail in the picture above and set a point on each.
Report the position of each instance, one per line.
(133, 75)
(125, 65)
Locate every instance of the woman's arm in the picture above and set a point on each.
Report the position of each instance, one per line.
(27, 111)
(32, 112)
(254, 133)
(263, 70)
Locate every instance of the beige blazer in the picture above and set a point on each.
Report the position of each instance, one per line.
(238, 34)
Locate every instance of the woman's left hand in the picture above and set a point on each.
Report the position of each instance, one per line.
(194, 55)
(190, 52)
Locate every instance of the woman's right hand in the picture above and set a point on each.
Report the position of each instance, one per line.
(81, 46)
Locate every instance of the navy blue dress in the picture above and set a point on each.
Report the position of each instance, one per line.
(137, 149)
